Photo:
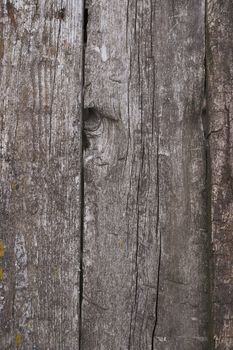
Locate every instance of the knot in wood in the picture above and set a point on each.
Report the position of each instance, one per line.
(92, 121)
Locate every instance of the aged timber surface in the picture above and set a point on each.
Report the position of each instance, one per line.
(145, 267)
(40, 65)
(220, 137)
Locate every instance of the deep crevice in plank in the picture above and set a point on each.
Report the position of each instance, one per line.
(208, 206)
(62, 11)
(207, 133)
(159, 238)
(135, 306)
(82, 146)
(85, 24)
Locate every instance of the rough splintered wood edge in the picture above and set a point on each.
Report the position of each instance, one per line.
(219, 107)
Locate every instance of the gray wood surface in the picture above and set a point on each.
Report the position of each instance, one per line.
(145, 227)
(40, 72)
(220, 138)
(116, 196)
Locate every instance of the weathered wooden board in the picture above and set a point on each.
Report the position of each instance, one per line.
(220, 137)
(145, 232)
(40, 72)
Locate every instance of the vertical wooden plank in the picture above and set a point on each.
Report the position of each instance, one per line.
(220, 137)
(145, 274)
(41, 65)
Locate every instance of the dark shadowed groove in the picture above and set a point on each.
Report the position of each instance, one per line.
(159, 238)
(83, 42)
(208, 216)
(135, 306)
(205, 115)
(54, 79)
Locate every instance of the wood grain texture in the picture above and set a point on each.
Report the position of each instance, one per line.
(40, 72)
(145, 232)
(220, 137)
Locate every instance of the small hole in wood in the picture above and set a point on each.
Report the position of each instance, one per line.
(61, 14)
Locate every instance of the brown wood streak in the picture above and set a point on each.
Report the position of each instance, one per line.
(40, 52)
(145, 233)
(219, 63)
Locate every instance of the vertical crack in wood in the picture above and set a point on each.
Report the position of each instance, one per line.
(54, 79)
(137, 233)
(82, 145)
(205, 123)
(159, 238)
(135, 306)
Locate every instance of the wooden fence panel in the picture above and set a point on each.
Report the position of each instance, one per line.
(145, 232)
(41, 73)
